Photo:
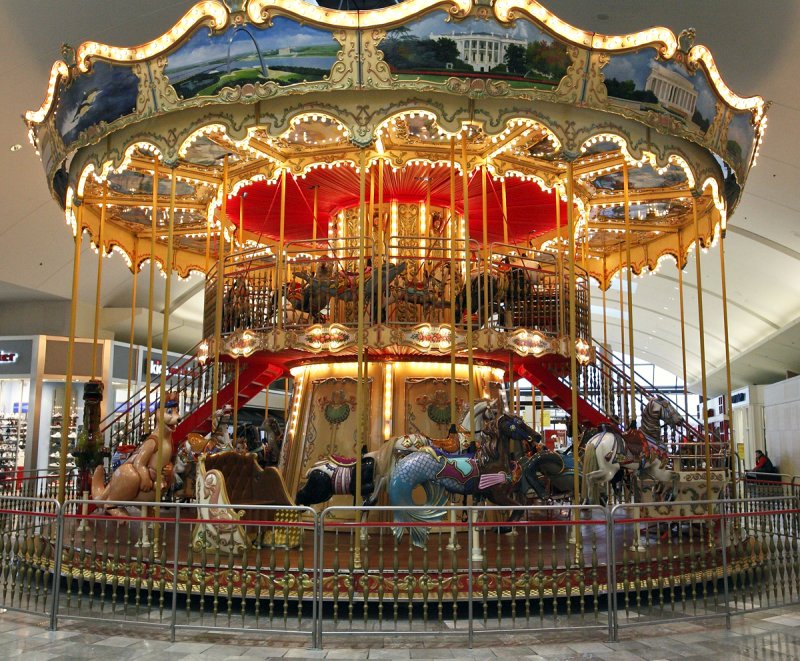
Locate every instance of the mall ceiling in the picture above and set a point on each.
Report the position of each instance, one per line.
(756, 46)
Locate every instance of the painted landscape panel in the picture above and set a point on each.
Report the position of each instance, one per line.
(641, 82)
(431, 48)
(286, 53)
(106, 93)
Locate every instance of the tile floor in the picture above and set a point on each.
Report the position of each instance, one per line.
(771, 634)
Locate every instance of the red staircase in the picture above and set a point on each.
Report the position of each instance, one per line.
(254, 378)
(541, 372)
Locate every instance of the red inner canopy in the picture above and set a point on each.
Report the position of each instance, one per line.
(531, 211)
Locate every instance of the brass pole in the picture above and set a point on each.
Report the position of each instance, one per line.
(131, 338)
(630, 288)
(279, 259)
(702, 344)
(240, 232)
(453, 236)
(683, 323)
(560, 266)
(729, 402)
(314, 223)
(468, 285)
(218, 310)
(362, 397)
(208, 246)
(573, 359)
(487, 259)
(378, 246)
(146, 428)
(606, 375)
(66, 414)
(99, 283)
(236, 399)
(505, 209)
(165, 343)
(625, 415)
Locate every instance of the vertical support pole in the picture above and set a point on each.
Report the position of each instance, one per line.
(468, 284)
(99, 284)
(131, 338)
(562, 325)
(504, 202)
(683, 322)
(573, 358)
(218, 310)
(236, 399)
(626, 194)
(453, 227)
(625, 413)
(162, 398)
(487, 260)
(703, 378)
(315, 212)
(378, 243)
(728, 393)
(362, 397)
(66, 414)
(240, 229)
(151, 287)
(280, 256)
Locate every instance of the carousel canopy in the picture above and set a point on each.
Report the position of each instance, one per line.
(644, 122)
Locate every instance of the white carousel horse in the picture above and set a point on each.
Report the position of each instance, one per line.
(223, 531)
(186, 456)
(635, 450)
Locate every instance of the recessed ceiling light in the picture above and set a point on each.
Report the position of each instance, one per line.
(15, 147)
(602, 17)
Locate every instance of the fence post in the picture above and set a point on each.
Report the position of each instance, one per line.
(470, 578)
(316, 582)
(175, 551)
(723, 533)
(611, 578)
(57, 564)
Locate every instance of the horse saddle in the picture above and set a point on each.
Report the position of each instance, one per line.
(338, 460)
(459, 469)
(639, 447)
(344, 476)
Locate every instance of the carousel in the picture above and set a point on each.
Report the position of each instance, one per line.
(401, 212)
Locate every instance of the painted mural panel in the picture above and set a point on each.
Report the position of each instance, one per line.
(104, 94)
(428, 405)
(286, 53)
(639, 81)
(431, 48)
(740, 139)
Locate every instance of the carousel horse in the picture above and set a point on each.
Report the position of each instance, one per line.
(326, 284)
(491, 475)
(135, 478)
(223, 531)
(432, 291)
(335, 475)
(550, 475)
(236, 306)
(273, 440)
(187, 453)
(636, 450)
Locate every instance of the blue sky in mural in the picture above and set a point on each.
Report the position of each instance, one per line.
(437, 23)
(285, 40)
(105, 94)
(742, 132)
(636, 67)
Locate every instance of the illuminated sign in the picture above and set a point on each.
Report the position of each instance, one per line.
(8, 356)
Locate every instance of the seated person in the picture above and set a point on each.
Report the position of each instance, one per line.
(763, 470)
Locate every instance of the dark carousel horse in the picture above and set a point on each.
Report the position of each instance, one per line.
(491, 475)
(326, 284)
(337, 476)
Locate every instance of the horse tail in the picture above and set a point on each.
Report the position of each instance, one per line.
(589, 466)
(99, 484)
(417, 469)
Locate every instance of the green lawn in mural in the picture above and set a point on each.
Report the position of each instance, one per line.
(286, 53)
(430, 48)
